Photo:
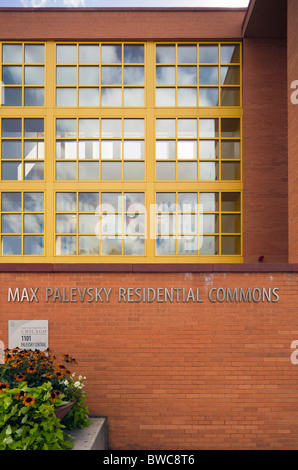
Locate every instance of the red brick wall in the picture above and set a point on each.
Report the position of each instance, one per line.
(120, 25)
(293, 134)
(265, 166)
(177, 375)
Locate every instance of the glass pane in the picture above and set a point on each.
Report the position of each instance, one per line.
(230, 202)
(66, 75)
(111, 223)
(165, 171)
(165, 97)
(34, 150)
(134, 246)
(111, 75)
(134, 202)
(230, 149)
(210, 223)
(188, 245)
(208, 97)
(134, 97)
(209, 245)
(230, 75)
(88, 171)
(111, 149)
(11, 149)
(187, 150)
(111, 246)
(33, 245)
(34, 54)
(34, 75)
(111, 54)
(66, 127)
(230, 245)
(134, 171)
(134, 128)
(111, 128)
(88, 149)
(187, 171)
(12, 53)
(230, 171)
(208, 171)
(208, 54)
(66, 223)
(111, 97)
(230, 127)
(208, 75)
(111, 202)
(66, 202)
(187, 97)
(87, 223)
(230, 54)
(11, 202)
(34, 171)
(230, 96)
(66, 245)
(12, 171)
(133, 75)
(230, 223)
(187, 202)
(209, 201)
(34, 128)
(165, 75)
(12, 96)
(88, 75)
(166, 201)
(33, 223)
(165, 128)
(11, 127)
(187, 128)
(33, 202)
(67, 54)
(187, 54)
(208, 149)
(88, 246)
(12, 75)
(111, 171)
(134, 150)
(133, 54)
(66, 97)
(66, 150)
(165, 149)
(88, 202)
(11, 223)
(165, 246)
(11, 245)
(166, 224)
(88, 54)
(88, 127)
(165, 54)
(208, 128)
(89, 97)
(66, 171)
(187, 75)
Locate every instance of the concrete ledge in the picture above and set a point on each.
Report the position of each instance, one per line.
(94, 437)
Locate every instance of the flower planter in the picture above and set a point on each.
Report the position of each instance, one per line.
(62, 411)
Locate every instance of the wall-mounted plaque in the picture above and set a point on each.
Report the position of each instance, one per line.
(28, 334)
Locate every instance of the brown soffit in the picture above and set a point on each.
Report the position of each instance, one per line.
(265, 19)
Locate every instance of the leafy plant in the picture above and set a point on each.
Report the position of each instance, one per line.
(36, 368)
(27, 418)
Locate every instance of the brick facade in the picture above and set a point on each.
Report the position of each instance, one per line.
(174, 375)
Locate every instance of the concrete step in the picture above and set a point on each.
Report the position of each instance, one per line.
(94, 437)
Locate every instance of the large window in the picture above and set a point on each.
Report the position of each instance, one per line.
(121, 152)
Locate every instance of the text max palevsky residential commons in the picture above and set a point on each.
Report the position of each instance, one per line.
(149, 213)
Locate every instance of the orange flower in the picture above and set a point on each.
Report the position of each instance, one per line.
(19, 377)
(54, 395)
(31, 370)
(21, 395)
(30, 400)
(3, 386)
